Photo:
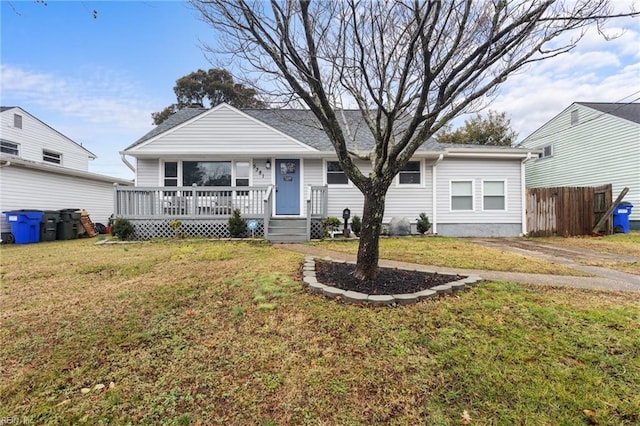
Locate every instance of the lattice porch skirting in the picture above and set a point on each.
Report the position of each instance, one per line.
(146, 229)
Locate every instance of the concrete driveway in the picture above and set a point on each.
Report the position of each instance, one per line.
(569, 256)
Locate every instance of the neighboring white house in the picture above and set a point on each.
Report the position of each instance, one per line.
(590, 144)
(283, 154)
(41, 169)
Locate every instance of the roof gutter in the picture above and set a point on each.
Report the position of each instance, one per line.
(126, 162)
(434, 214)
(523, 191)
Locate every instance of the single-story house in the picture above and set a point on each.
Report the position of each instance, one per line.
(42, 169)
(589, 144)
(279, 168)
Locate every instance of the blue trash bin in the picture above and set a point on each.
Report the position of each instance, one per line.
(621, 218)
(25, 225)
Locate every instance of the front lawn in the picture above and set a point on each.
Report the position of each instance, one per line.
(199, 332)
(453, 253)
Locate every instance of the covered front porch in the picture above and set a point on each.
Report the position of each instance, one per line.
(204, 211)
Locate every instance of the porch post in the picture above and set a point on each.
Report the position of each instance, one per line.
(115, 199)
(309, 212)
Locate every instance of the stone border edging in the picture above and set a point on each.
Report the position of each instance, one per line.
(310, 281)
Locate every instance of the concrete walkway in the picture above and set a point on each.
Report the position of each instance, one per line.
(605, 279)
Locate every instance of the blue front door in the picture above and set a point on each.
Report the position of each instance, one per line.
(287, 187)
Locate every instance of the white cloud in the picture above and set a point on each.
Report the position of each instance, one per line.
(96, 95)
(97, 107)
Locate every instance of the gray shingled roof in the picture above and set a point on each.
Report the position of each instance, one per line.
(629, 111)
(5, 108)
(299, 124)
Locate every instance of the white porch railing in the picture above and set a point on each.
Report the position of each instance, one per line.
(207, 202)
(317, 205)
(191, 202)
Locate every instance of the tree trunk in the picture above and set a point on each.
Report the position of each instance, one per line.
(368, 250)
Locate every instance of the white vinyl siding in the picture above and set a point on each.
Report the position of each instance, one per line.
(35, 137)
(600, 149)
(148, 172)
(479, 170)
(23, 188)
(401, 201)
(219, 132)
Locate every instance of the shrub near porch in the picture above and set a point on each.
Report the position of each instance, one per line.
(198, 332)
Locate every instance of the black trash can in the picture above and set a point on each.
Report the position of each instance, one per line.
(49, 225)
(69, 224)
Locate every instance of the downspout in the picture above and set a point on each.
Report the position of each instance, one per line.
(126, 162)
(434, 214)
(523, 191)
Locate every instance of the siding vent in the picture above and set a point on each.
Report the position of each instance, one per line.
(51, 157)
(9, 148)
(17, 121)
(575, 118)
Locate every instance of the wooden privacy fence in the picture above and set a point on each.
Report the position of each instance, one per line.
(566, 210)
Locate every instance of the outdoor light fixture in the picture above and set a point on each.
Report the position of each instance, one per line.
(267, 165)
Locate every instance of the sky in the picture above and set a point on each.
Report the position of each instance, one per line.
(97, 81)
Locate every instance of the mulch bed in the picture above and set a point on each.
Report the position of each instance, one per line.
(388, 281)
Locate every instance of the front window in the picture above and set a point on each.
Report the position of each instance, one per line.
(206, 173)
(493, 195)
(410, 174)
(462, 195)
(9, 148)
(51, 157)
(242, 173)
(335, 174)
(170, 173)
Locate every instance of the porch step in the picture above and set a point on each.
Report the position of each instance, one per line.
(287, 230)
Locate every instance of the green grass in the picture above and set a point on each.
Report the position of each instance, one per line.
(454, 253)
(179, 329)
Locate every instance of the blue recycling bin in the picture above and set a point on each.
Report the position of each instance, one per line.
(621, 218)
(25, 225)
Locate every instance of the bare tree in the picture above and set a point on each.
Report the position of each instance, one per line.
(410, 66)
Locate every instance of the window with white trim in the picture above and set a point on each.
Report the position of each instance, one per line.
(493, 195)
(462, 195)
(206, 173)
(17, 121)
(170, 173)
(547, 151)
(242, 173)
(9, 148)
(51, 157)
(410, 174)
(335, 174)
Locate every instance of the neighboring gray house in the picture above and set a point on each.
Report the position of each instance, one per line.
(41, 169)
(280, 169)
(590, 144)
